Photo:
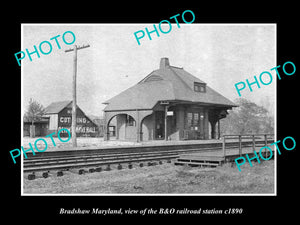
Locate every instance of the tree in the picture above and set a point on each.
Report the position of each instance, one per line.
(247, 118)
(34, 113)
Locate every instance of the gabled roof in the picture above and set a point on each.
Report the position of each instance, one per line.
(56, 107)
(168, 83)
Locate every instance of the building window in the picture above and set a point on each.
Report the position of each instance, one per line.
(130, 121)
(194, 120)
(199, 87)
(112, 131)
(189, 119)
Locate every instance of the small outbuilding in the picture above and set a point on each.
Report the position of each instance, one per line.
(59, 115)
(168, 104)
(40, 127)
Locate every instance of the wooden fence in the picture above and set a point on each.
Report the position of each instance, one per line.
(256, 140)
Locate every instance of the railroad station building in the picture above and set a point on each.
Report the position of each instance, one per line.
(168, 104)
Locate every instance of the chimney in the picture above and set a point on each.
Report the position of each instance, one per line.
(164, 63)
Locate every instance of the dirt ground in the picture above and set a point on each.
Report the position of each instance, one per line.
(160, 179)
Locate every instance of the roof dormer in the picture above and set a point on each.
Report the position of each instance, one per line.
(199, 87)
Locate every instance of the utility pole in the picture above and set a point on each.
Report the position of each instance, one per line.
(74, 141)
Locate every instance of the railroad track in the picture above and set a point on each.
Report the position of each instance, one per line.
(63, 163)
(66, 160)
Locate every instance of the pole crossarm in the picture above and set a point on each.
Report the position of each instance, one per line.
(79, 47)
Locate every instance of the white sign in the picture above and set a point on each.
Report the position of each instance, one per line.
(170, 113)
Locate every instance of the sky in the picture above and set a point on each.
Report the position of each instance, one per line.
(219, 54)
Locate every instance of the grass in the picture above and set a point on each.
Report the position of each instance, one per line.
(161, 179)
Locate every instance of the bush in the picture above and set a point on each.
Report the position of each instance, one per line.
(247, 118)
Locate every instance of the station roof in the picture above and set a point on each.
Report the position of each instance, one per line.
(168, 83)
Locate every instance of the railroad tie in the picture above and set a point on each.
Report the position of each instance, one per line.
(119, 167)
(108, 168)
(98, 169)
(60, 173)
(31, 176)
(81, 171)
(45, 174)
(92, 170)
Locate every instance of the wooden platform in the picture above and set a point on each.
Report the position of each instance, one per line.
(215, 158)
(198, 160)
